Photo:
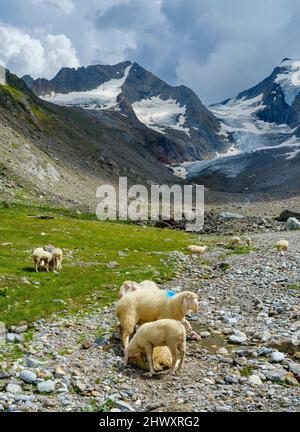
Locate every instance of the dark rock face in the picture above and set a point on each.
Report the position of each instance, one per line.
(286, 214)
(169, 145)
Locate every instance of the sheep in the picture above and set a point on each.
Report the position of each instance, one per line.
(163, 332)
(235, 241)
(282, 245)
(249, 242)
(41, 259)
(130, 286)
(145, 306)
(56, 259)
(197, 250)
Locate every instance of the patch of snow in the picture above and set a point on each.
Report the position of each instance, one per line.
(289, 80)
(159, 114)
(103, 97)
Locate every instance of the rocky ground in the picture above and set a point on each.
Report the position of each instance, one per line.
(248, 358)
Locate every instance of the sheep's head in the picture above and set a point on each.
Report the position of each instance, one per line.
(190, 302)
(128, 287)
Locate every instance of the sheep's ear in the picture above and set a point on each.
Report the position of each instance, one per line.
(185, 306)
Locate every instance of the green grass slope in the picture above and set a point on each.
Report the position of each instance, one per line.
(88, 246)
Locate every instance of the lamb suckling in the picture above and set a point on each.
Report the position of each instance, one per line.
(143, 306)
(163, 332)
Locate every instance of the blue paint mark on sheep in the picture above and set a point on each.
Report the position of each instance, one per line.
(170, 293)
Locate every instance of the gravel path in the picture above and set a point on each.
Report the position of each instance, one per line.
(247, 360)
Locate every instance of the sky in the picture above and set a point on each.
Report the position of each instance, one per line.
(216, 47)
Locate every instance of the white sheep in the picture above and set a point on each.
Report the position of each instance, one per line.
(197, 250)
(41, 259)
(282, 245)
(164, 332)
(131, 286)
(49, 248)
(248, 242)
(235, 241)
(56, 259)
(148, 305)
(161, 357)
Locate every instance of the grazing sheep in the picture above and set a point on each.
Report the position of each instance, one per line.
(164, 332)
(282, 245)
(197, 250)
(56, 261)
(235, 241)
(130, 286)
(145, 306)
(249, 242)
(41, 259)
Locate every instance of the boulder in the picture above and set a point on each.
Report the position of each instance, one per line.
(286, 214)
(292, 224)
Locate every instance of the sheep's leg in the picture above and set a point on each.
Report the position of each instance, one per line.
(181, 350)
(149, 352)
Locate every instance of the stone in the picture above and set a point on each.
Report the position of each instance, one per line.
(255, 380)
(224, 408)
(238, 337)
(229, 215)
(13, 388)
(11, 337)
(28, 376)
(112, 265)
(204, 334)
(292, 224)
(222, 351)
(21, 329)
(295, 368)
(277, 357)
(290, 379)
(33, 363)
(275, 375)
(86, 344)
(123, 406)
(59, 372)
(46, 386)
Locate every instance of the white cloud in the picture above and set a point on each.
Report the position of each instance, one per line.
(38, 56)
(64, 5)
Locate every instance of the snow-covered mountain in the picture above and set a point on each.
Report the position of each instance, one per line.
(263, 126)
(176, 125)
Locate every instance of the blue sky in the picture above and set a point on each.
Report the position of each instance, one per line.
(216, 47)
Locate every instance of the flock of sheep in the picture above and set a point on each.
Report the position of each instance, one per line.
(162, 335)
(48, 258)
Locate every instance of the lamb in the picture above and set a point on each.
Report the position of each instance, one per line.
(56, 259)
(162, 359)
(249, 242)
(163, 332)
(197, 250)
(41, 259)
(130, 286)
(282, 245)
(235, 241)
(143, 306)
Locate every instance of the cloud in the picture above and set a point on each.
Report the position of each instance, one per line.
(66, 6)
(216, 47)
(37, 56)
